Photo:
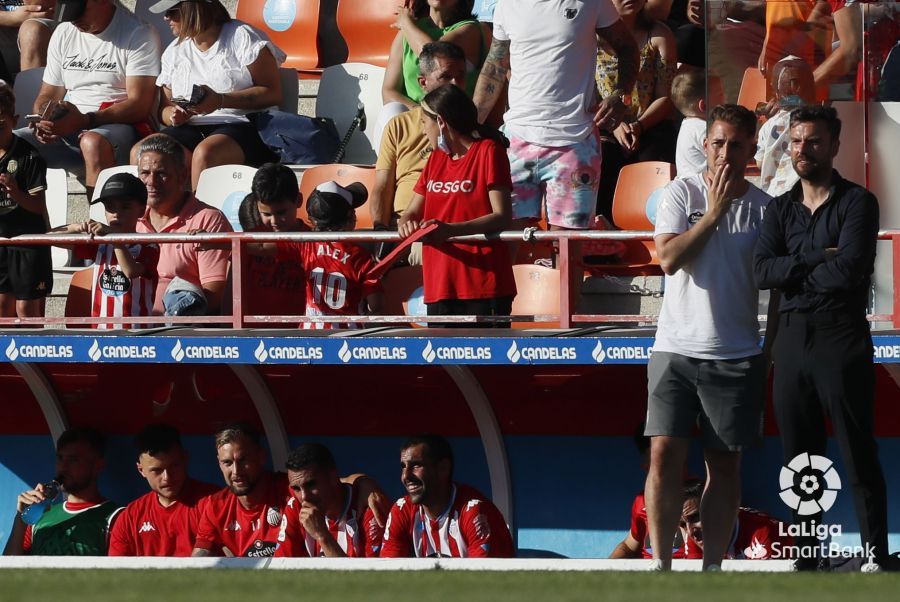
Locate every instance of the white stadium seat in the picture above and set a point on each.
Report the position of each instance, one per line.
(224, 187)
(340, 89)
(26, 88)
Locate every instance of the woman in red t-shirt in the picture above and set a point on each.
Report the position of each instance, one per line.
(464, 189)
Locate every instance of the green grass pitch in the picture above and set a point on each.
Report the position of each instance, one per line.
(424, 586)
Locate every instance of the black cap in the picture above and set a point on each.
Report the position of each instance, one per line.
(329, 203)
(69, 10)
(122, 185)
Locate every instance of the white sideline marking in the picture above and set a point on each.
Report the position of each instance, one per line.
(375, 564)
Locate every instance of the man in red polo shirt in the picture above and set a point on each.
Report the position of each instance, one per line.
(171, 209)
(164, 521)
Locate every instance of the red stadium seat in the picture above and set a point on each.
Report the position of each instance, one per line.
(78, 300)
(342, 174)
(296, 34)
(366, 27)
(634, 202)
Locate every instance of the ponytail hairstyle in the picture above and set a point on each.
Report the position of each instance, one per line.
(459, 113)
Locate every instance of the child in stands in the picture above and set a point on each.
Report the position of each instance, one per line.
(272, 287)
(691, 96)
(124, 276)
(337, 281)
(26, 274)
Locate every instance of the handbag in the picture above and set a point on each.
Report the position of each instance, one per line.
(297, 139)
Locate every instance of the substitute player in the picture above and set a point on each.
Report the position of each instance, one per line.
(163, 522)
(320, 518)
(438, 517)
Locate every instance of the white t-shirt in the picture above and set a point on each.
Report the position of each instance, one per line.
(92, 68)
(553, 54)
(710, 304)
(773, 155)
(690, 154)
(223, 67)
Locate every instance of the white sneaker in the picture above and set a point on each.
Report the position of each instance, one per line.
(871, 567)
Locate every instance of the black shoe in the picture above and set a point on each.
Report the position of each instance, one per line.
(806, 565)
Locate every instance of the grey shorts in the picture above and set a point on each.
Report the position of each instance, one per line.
(66, 154)
(725, 399)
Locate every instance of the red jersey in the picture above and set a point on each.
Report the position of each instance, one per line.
(753, 538)
(113, 293)
(755, 534)
(457, 191)
(272, 287)
(356, 537)
(336, 282)
(471, 526)
(147, 528)
(249, 532)
(640, 531)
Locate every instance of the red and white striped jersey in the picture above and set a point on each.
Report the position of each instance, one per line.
(356, 537)
(113, 293)
(471, 526)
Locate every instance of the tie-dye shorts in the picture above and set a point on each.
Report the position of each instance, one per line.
(567, 176)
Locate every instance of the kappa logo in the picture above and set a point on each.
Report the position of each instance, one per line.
(146, 527)
(598, 353)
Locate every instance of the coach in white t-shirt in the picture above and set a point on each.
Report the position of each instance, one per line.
(551, 47)
(102, 64)
(707, 368)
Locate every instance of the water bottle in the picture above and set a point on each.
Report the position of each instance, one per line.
(33, 513)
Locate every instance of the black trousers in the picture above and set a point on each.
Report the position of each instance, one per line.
(824, 366)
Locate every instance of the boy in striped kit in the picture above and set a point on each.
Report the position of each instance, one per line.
(125, 276)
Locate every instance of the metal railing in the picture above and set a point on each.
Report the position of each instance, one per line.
(568, 243)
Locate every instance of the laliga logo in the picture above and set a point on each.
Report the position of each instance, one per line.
(177, 351)
(513, 353)
(809, 484)
(94, 352)
(428, 353)
(598, 354)
(344, 353)
(261, 354)
(12, 352)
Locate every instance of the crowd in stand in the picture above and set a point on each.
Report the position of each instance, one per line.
(592, 89)
(588, 88)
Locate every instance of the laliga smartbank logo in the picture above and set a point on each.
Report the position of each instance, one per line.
(809, 484)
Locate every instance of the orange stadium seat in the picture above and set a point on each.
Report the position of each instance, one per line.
(293, 26)
(634, 208)
(342, 174)
(398, 285)
(78, 300)
(753, 89)
(537, 293)
(366, 26)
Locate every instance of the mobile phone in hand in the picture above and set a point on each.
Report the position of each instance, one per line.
(33, 118)
(198, 93)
